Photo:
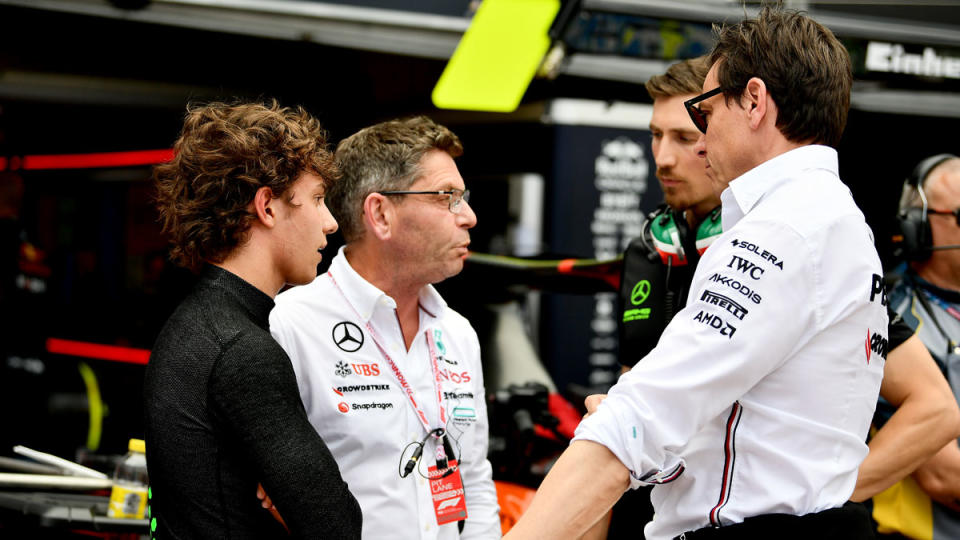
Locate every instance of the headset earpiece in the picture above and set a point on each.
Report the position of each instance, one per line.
(666, 238)
(914, 239)
(668, 234)
(709, 230)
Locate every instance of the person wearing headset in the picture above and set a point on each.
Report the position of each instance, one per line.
(662, 261)
(659, 264)
(389, 374)
(926, 293)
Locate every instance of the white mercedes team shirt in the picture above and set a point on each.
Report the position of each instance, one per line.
(357, 406)
(758, 397)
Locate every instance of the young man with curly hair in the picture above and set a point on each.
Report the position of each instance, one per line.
(243, 202)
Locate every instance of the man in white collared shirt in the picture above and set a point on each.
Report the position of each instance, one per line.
(386, 370)
(753, 408)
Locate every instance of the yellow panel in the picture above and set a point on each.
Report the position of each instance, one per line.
(904, 508)
(497, 56)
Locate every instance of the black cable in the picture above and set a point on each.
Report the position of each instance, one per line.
(412, 462)
(405, 472)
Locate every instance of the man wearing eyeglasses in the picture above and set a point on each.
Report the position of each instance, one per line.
(926, 505)
(750, 415)
(390, 376)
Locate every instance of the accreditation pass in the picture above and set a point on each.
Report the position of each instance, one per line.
(447, 493)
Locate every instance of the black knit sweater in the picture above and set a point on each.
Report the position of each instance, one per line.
(223, 413)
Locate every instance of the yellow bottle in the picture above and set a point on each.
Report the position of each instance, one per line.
(129, 496)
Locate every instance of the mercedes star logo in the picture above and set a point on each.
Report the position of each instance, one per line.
(347, 336)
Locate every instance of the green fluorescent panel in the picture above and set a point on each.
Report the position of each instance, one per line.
(497, 56)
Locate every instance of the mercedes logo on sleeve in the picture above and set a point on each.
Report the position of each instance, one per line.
(347, 336)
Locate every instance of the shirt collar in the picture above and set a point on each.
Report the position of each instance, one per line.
(431, 302)
(744, 192)
(254, 301)
(366, 298)
(950, 296)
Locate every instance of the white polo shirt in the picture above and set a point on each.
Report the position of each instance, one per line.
(759, 394)
(355, 403)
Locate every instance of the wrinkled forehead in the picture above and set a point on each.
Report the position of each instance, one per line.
(438, 171)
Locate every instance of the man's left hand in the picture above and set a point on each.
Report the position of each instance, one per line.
(592, 402)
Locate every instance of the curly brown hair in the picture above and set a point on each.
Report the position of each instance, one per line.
(225, 153)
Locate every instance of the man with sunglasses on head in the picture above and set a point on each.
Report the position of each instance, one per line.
(750, 415)
(389, 374)
(926, 505)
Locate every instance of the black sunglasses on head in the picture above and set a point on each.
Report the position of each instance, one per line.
(699, 119)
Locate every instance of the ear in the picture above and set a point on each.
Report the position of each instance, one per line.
(264, 206)
(758, 102)
(379, 215)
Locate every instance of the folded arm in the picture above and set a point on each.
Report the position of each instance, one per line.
(927, 417)
(255, 392)
(940, 476)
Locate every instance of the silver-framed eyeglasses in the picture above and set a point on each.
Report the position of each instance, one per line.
(456, 197)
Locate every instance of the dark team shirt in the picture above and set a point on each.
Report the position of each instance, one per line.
(913, 309)
(900, 331)
(223, 413)
(650, 291)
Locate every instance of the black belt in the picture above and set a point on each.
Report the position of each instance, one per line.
(849, 522)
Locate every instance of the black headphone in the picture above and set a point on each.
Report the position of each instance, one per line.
(914, 242)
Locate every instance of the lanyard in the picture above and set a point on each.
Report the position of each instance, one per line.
(952, 311)
(407, 389)
(951, 345)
